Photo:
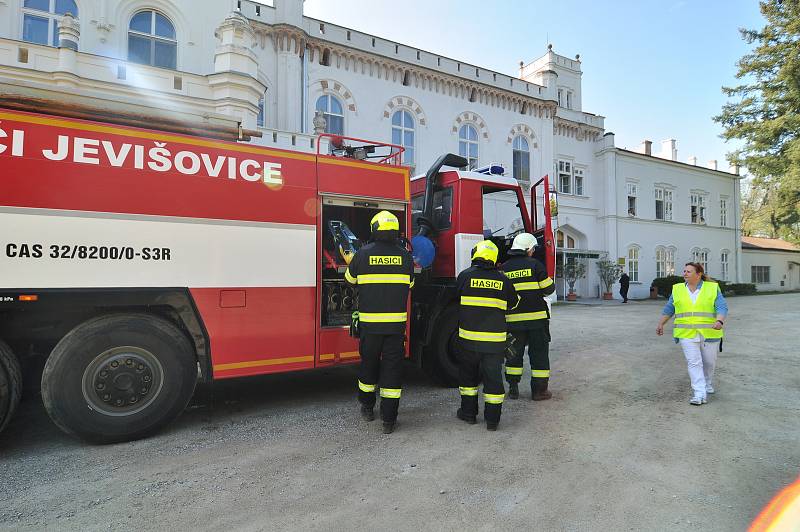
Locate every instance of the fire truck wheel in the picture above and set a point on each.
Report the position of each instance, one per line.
(10, 384)
(119, 377)
(444, 348)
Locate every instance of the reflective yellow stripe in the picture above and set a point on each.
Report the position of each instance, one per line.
(366, 387)
(540, 373)
(527, 316)
(482, 336)
(531, 285)
(412, 283)
(474, 301)
(694, 325)
(384, 278)
(465, 390)
(547, 282)
(513, 371)
(391, 393)
(494, 398)
(696, 315)
(382, 317)
(349, 278)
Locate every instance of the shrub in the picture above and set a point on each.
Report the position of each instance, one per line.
(664, 284)
(742, 289)
(609, 271)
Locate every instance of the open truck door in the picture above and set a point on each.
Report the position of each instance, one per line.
(543, 208)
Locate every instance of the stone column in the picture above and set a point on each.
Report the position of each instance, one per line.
(289, 43)
(235, 83)
(69, 36)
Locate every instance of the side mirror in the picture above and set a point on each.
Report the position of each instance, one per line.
(455, 161)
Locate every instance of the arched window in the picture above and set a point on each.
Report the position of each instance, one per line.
(633, 263)
(665, 261)
(522, 159)
(403, 134)
(333, 112)
(723, 264)
(564, 241)
(700, 256)
(40, 19)
(152, 40)
(468, 144)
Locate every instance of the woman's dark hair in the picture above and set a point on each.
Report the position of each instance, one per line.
(699, 269)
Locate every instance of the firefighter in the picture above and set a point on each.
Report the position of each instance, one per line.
(485, 295)
(383, 271)
(529, 323)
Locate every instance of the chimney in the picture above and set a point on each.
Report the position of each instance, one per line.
(692, 160)
(669, 149)
(646, 147)
(712, 164)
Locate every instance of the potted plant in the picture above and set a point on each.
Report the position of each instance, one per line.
(609, 271)
(572, 272)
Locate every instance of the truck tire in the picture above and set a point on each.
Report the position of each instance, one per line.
(442, 350)
(119, 377)
(10, 384)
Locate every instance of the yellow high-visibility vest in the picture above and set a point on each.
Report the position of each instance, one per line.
(698, 317)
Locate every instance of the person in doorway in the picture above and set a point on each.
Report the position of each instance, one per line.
(700, 311)
(624, 284)
(383, 270)
(529, 323)
(485, 294)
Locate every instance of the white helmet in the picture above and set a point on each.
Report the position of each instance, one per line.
(524, 242)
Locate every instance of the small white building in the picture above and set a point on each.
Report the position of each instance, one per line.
(273, 69)
(772, 263)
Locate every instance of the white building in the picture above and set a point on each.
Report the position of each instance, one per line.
(272, 68)
(772, 263)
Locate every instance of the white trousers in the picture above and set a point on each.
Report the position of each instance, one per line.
(701, 358)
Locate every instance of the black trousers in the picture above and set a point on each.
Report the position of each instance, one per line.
(474, 366)
(381, 370)
(537, 340)
(623, 291)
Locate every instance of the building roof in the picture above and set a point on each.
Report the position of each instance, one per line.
(776, 244)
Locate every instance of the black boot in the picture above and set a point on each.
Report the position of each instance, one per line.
(466, 417)
(539, 389)
(367, 413)
(491, 426)
(513, 390)
(388, 427)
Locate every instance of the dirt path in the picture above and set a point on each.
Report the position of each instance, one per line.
(618, 448)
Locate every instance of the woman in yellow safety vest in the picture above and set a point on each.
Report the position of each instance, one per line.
(700, 311)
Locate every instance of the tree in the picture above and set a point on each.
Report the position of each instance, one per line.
(766, 117)
(572, 272)
(609, 271)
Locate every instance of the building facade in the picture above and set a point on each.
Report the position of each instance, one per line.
(275, 70)
(771, 263)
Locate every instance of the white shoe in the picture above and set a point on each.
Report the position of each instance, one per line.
(697, 400)
(709, 389)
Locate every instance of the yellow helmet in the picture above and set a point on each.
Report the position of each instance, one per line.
(384, 221)
(486, 250)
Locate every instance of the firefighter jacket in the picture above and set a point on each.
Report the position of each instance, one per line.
(384, 273)
(698, 317)
(485, 294)
(532, 283)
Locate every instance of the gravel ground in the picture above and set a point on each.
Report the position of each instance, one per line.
(617, 448)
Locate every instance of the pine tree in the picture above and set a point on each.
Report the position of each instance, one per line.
(766, 117)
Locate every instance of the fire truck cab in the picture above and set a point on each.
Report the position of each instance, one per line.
(457, 209)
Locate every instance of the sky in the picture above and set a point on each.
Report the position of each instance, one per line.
(653, 69)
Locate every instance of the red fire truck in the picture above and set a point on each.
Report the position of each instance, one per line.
(136, 262)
